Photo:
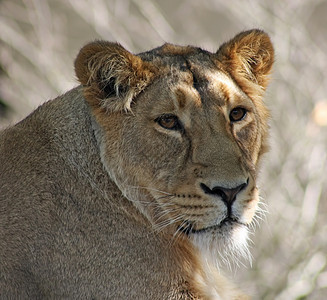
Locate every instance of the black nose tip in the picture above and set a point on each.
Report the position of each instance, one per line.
(228, 196)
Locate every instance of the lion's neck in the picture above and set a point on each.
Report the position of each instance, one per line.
(203, 275)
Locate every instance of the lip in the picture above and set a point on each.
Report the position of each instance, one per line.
(227, 221)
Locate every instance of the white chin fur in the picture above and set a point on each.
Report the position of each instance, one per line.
(227, 246)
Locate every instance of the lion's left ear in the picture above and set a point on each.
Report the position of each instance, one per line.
(248, 58)
(112, 77)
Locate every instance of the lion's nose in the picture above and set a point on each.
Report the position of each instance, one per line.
(228, 196)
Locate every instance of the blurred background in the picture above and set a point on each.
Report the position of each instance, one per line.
(39, 40)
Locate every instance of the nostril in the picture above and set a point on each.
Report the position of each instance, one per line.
(223, 193)
(227, 195)
(205, 188)
(215, 191)
(220, 192)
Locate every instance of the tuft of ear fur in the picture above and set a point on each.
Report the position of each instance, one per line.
(112, 77)
(248, 58)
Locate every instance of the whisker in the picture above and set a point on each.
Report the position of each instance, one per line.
(178, 233)
(151, 189)
(164, 213)
(165, 197)
(262, 211)
(162, 225)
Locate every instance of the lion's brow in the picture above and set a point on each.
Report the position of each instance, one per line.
(196, 80)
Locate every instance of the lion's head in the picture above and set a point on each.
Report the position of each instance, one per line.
(182, 132)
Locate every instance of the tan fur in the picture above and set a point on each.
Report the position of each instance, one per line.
(99, 199)
(169, 49)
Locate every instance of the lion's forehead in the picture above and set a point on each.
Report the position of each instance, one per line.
(182, 61)
(207, 88)
(179, 58)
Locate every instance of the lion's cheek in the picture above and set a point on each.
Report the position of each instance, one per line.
(249, 207)
(250, 141)
(153, 159)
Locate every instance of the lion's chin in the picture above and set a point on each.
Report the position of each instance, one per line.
(228, 224)
(224, 245)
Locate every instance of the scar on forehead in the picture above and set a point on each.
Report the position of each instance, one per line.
(181, 98)
(186, 96)
(222, 87)
(225, 91)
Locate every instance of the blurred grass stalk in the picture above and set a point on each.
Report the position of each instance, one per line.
(40, 38)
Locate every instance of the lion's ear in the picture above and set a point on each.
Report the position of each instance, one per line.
(248, 58)
(112, 77)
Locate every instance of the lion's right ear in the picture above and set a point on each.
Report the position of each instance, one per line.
(112, 77)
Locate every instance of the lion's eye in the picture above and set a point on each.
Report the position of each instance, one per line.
(237, 114)
(169, 122)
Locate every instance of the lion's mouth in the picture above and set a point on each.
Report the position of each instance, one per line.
(188, 227)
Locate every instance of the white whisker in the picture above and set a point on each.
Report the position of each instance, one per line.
(151, 189)
(165, 223)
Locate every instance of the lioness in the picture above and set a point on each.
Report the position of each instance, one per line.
(140, 181)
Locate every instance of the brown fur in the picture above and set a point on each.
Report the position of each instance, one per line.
(169, 49)
(100, 200)
(248, 58)
(101, 62)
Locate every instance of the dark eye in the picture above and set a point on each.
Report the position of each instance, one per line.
(237, 114)
(169, 122)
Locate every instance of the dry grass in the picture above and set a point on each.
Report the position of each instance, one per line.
(39, 40)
